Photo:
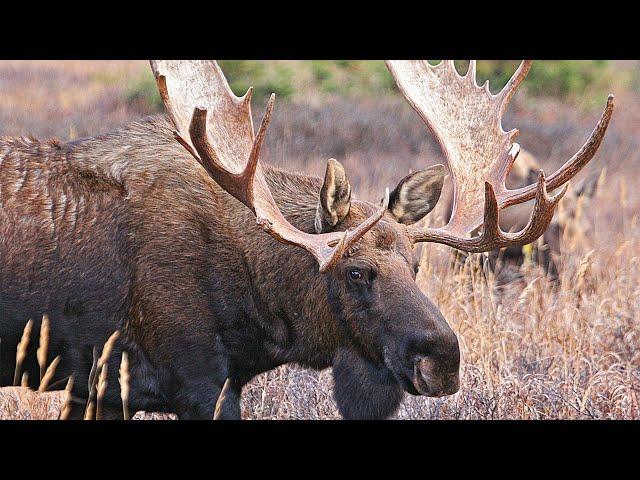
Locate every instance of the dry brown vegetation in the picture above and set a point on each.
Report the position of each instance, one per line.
(529, 349)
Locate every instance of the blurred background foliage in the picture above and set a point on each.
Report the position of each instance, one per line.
(315, 80)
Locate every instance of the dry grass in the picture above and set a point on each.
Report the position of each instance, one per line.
(529, 349)
(21, 403)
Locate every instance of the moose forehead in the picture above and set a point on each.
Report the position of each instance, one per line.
(387, 234)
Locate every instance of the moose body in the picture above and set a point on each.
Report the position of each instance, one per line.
(127, 232)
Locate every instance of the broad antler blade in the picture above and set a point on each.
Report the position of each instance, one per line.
(221, 137)
(467, 121)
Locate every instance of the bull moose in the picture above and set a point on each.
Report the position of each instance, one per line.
(215, 267)
(547, 250)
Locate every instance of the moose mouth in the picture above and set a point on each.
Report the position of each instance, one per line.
(434, 385)
(404, 376)
(422, 379)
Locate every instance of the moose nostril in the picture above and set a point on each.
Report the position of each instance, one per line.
(436, 377)
(424, 367)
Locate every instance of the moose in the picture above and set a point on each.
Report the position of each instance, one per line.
(215, 267)
(547, 250)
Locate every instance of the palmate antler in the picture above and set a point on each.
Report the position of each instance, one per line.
(216, 127)
(467, 121)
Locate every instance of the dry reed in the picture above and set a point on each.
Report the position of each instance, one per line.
(48, 375)
(66, 408)
(217, 414)
(21, 352)
(124, 385)
(43, 346)
(102, 389)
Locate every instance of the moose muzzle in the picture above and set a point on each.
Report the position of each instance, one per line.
(435, 379)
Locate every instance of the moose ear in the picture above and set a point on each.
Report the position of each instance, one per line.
(417, 194)
(335, 197)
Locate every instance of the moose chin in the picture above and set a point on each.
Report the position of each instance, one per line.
(215, 267)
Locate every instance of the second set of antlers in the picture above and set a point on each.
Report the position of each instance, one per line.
(216, 127)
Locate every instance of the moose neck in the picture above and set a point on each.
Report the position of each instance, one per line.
(299, 317)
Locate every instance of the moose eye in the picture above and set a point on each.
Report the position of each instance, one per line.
(355, 275)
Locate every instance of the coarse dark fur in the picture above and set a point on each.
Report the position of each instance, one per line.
(127, 231)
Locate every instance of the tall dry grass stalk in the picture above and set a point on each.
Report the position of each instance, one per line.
(106, 350)
(48, 375)
(91, 381)
(95, 375)
(217, 413)
(584, 281)
(43, 346)
(125, 385)
(102, 389)
(66, 408)
(90, 411)
(21, 352)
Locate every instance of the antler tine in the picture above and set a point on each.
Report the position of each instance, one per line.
(538, 222)
(246, 99)
(471, 72)
(492, 235)
(240, 185)
(351, 237)
(252, 164)
(512, 85)
(221, 137)
(466, 121)
(329, 252)
(572, 166)
(540, 216)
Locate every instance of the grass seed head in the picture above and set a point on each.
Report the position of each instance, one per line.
(21, 352)
(48, 376)
(43, 346)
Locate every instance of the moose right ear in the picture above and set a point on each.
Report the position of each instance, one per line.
(335, 197)
(417, 194)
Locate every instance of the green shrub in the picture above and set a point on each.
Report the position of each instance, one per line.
(241, 74)
(144, 95)
(567, 79)
(266, 77)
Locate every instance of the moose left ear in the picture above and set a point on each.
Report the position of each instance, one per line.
(417, 194)
(335, 197)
